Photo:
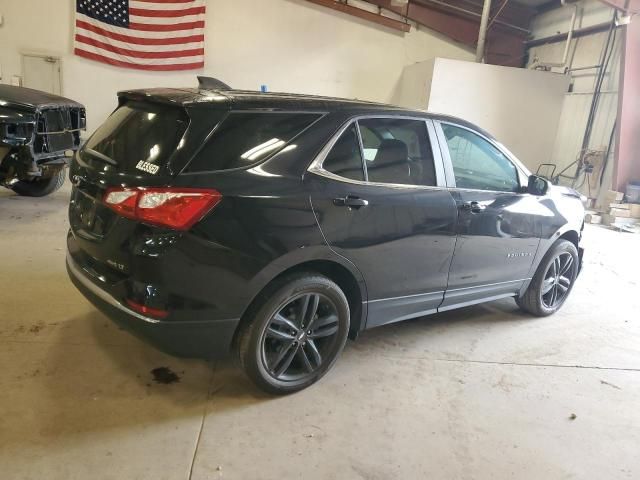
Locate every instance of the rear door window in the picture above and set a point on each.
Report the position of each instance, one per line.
(246, 138)
(137, 138)
(397, 150)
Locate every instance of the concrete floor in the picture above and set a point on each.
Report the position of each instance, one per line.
(485, 392)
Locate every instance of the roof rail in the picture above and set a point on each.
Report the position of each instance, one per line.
(212, 83)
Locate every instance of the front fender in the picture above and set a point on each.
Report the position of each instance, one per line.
(565, 218)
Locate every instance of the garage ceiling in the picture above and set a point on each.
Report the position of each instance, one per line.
(460, 21)
(508, 29)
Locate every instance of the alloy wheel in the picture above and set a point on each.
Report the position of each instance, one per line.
(557, 280)
(299, 338)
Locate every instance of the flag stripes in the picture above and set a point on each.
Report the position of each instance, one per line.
(157, 35)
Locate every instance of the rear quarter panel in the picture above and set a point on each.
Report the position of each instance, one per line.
(263, 226)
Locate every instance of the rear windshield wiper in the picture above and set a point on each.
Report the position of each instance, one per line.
(100, 156)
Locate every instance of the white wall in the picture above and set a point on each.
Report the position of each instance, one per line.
(584, 51)
(414, 88)
(289, 45)
(520, 107)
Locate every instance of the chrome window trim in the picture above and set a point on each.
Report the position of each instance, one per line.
(451, 181)
(316, 165)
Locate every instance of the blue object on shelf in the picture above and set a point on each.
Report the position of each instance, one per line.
(633, 192)
(264, 88)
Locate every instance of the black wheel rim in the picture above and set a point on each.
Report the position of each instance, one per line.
(300, 338)
(557, 280)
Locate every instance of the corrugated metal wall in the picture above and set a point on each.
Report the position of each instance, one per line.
(584, 51)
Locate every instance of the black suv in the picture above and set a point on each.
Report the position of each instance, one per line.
(278, 225)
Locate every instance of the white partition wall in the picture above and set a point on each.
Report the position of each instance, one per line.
(520, 107)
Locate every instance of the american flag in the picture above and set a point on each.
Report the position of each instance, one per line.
(142, 34)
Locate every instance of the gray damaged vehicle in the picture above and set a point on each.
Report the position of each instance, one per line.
(39, 132)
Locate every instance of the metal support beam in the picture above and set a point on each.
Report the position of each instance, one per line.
(495, 17)
(580, 32)
(565, 55)
(482, 36)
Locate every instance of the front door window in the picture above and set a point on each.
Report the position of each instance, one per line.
(477, 164)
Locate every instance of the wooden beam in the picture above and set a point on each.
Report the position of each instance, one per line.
(364, 14)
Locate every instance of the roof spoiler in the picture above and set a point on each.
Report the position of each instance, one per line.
(211, 83)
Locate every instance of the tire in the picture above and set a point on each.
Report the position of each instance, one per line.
(40, 187)
(538, 299)
(270, 335)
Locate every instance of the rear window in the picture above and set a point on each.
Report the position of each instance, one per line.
(138, 137)
(249, 137)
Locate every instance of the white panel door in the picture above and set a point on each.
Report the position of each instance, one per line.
(41, 73)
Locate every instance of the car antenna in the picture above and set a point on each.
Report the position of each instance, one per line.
(211, 83)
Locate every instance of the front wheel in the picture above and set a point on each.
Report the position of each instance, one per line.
(41, 186)
(294, 333)
(553, 281)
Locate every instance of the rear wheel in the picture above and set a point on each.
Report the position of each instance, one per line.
(553, 281)
(41, 186)
(295, 333)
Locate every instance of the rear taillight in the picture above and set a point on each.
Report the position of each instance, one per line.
(147, 311)
(176, 208)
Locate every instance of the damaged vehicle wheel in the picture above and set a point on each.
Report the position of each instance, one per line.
(40, 186)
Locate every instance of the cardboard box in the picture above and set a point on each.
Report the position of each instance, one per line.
(620, 212)
(624, 206)
(613, 197)
(632, 208)
(608, 219)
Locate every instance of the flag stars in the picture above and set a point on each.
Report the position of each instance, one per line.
(112, 12)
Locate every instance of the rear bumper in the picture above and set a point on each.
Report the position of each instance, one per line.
(197, 338)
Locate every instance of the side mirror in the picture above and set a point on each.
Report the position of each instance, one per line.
(537, 185)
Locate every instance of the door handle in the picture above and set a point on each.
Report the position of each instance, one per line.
(351, 202)
(473, 207)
